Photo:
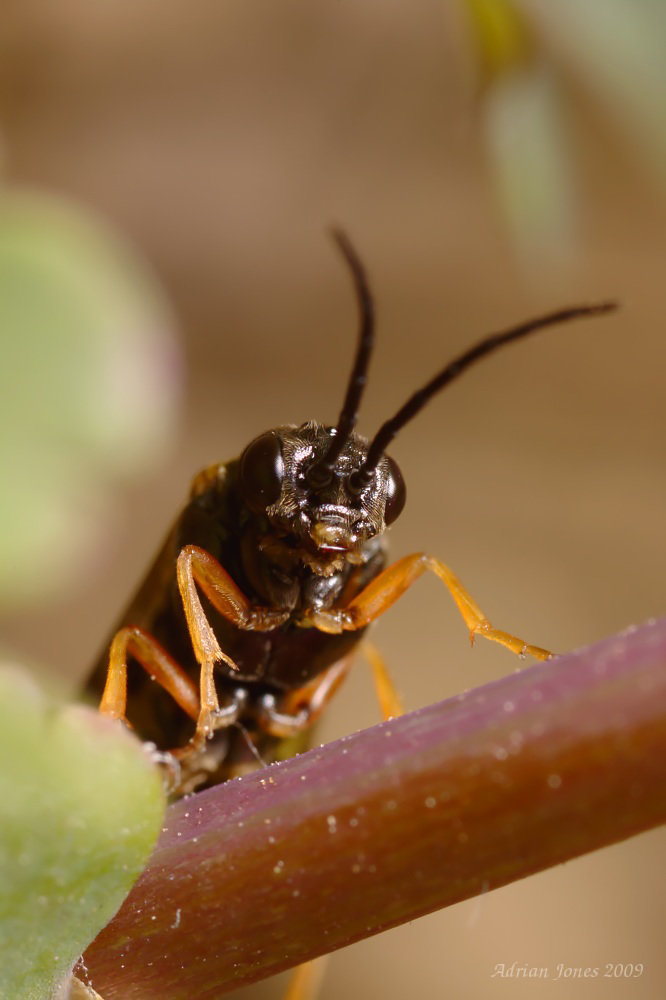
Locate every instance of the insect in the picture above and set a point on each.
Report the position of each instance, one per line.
(271, 575)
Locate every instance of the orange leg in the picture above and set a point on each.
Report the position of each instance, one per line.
(298, 710)
(134, 641)
(305, 980)
(389, 700)
(195, 567)
(392, 582)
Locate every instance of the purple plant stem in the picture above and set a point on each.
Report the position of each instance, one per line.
(376, 829)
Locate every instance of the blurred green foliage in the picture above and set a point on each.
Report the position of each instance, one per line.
(80, 809)
(88, 385)
(531, 57)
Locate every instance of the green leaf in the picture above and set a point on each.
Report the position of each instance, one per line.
(81, 805)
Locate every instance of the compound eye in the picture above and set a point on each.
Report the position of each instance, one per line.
(262, 471)
(396, 492)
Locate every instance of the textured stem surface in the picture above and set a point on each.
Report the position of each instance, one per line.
(395, 821)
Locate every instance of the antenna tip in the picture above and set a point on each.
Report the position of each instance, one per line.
(601, 307)
(340, 238)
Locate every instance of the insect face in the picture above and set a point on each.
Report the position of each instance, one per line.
(326, 514)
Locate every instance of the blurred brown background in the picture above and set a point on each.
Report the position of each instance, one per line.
(223, 139)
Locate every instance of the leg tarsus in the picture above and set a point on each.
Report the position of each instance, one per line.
(475, 619)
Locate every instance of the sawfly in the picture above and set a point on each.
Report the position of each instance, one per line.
(247, 621)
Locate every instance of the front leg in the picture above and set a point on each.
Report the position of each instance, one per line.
(392, 582)
(197, 568)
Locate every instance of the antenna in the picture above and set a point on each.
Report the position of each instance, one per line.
(319, 474)
(418, 400)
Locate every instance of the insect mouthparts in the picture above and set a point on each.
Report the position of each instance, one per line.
(328, 536)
